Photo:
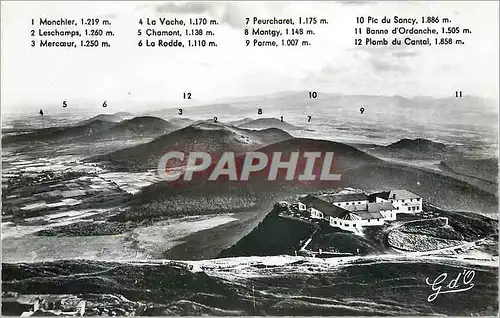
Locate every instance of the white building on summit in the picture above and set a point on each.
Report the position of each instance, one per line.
(386, 209)
(404, 201)
(351, 218)
(344, 200)
(352, 212)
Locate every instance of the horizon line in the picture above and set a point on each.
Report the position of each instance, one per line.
(82, 105)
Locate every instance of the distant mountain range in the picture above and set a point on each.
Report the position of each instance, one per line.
(146, 126)
(418, 144)
(413, 149)
(58, 134)
(264, 123)
(241, 121)
(359, 165)
(101, 127)
(181, 122)
(114, 118)
(420, 109)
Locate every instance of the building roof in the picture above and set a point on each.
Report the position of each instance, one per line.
(356, 207)
(380, 206)
(349, 217)
(323, 206)
(364, 215)
(402, 194)
(384, 195)
(371, 210)
(369, 215)
(395, 195)
(346, 197)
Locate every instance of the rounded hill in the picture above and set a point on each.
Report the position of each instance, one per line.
(263, 123)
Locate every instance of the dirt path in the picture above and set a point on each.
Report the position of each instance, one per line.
(303, 248)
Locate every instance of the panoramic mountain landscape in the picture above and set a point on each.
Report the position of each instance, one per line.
(86, 216)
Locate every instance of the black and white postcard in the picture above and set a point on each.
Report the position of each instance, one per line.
(249, 158)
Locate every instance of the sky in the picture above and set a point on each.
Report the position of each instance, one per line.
(129, 75)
